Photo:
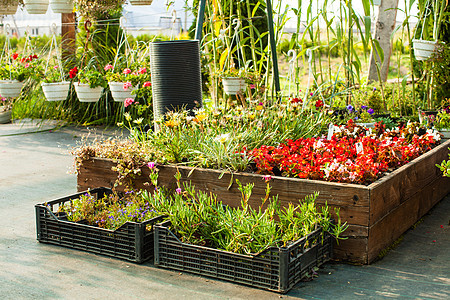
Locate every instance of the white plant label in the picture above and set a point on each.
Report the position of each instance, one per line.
(359, 148)
(330, 131)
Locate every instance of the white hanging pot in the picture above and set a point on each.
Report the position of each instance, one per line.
(61, 6)
(9, 9)
(141, 2)
(56, 91)
(118, 93)
(5, 116)
(86, 94)
(233, 85)
(423, 49)
(10, 88)
(35, 7)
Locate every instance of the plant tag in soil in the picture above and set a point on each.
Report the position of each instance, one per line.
(330, 131)
(359, 148)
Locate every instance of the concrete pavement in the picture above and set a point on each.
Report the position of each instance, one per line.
(35, 167)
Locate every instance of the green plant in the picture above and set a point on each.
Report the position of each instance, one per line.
(444, 167)
(442, 120)
(90, 74)
(137, 74)
(374, 100)
(441, 60)
(111, 211)
(98, 9)
(365, 117)
(249, 76)
(199, 218)
(54, 74)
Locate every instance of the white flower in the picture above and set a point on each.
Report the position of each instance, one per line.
(434, 134)
(138, 121)
(319, 144)
(222, 138)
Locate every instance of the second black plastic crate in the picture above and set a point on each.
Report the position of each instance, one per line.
(132, 241)
(275, 269)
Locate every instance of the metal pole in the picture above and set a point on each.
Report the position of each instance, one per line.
(273, 49)
(200, 18)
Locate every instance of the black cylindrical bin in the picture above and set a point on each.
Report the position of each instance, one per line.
(176, 77)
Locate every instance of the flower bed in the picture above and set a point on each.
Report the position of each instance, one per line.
(377, 214)
(353, 154)
(133, 241)
(275, 269)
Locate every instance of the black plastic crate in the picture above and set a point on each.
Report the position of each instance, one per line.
(275, 269)
(132, 241)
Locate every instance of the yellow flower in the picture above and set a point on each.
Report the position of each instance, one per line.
(259, 107)
(127, 116)
(171, 123)
(201, 117)
(252, 116)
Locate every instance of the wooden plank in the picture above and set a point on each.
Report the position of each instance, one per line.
(390, 191)
(392, 226)
(356, 231)
(351, 199)
(352, 250)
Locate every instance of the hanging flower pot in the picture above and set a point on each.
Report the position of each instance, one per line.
(5, 116)
(141, 2)
(233, 85)
(35, 7)
(423, 49)
(10, 88)
(119, 93)
(87, 94)
(56, 91)
(9, 8)
(61, 6)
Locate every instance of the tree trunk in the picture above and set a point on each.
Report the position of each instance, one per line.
(68, 36)
(384, 27)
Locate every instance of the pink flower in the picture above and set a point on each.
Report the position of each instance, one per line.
(27, 65)
(147, 83)
(126, 71)
(252, 86)
(108, 67)
(128, 102)
(127, 85)
(55, 67)
(178, 190)
(151, 165)
(267, 178)
(142, 70)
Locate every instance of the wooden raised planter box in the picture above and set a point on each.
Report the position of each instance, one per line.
(377, 214)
